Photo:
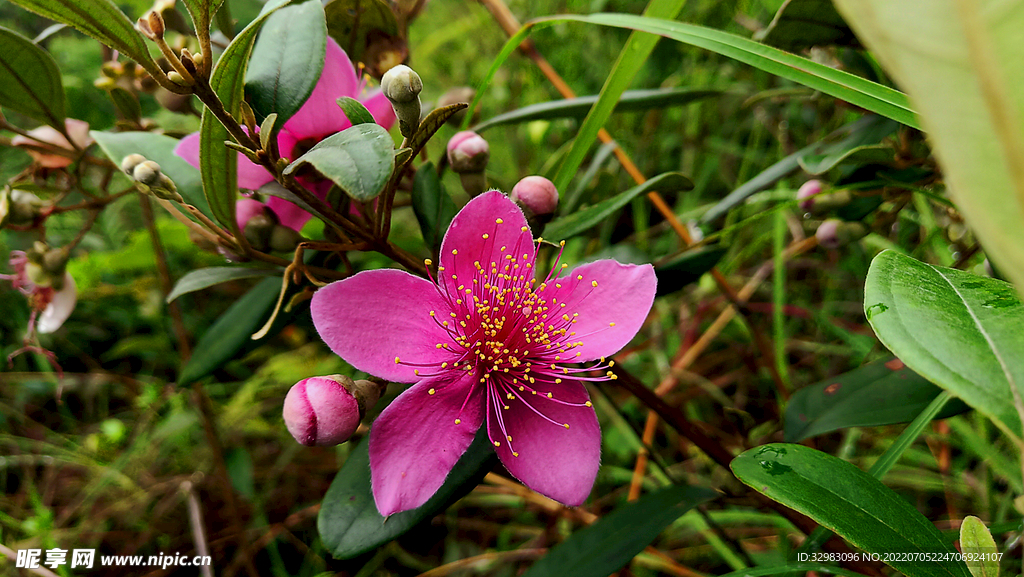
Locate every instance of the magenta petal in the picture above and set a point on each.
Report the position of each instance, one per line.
(549, 458)
(377, 316)
(415, 442)
(488, 229)
(188, 149)
(321, 115)
(379, 107)
(247, 208)
(608, 313)
(250, 175)
(288, 213)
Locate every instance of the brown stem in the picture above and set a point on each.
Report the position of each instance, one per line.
(164, 272)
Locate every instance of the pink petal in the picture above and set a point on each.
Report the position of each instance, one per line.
(251, 176)
(320, 115)
(487, 229)
(380, 108)
(79, 132)
(60, 307)
(611, 312)
(376, 316)
(553, 460)
(288, 214)
(247, 208)
(415, 442)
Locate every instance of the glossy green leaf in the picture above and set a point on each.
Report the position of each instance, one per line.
(864, 131)
(959, 330)
(206, 277)
(232, 331)
(160, 149)
(359, 159)
(848, 501)
(637, 49)
(959, 62)
(29, 80)
(687, 268)
(869, 95)
(631, 100)
(349, 522)
(432, 205)
(581, 220)
(610, 543)
(801, 24)
(100, 19)
(202, 12)
(977, 543)
(355, 111)
(881, 393)
(287, 60)
(218, 164)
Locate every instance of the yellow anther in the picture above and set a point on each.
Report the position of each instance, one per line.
(567, 425)
(589, 404)
(486, 236)
(431, 392)
(593, 283)
(558, 381)
(455, 251)
(549, 395)
(611, 324)
(396, 360)
(497, 444)
(525, 228)
(499, 221)
(509, 437)
(515, 454)
(428, 262)
(458, 421)
(416, 372)
(579, 277)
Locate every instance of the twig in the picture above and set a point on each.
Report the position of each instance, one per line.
(195, 518)
(164, 272)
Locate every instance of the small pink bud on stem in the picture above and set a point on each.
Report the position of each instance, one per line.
(327, 410)
(468, 154)
(834, 233)
(536, 195)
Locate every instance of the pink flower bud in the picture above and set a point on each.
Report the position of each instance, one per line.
(468, 152)
(834, 233)
(537, 194)
(327, 410)
(807, 192)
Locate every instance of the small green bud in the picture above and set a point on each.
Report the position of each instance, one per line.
(284, 239)
(259, 230)
(147, 172)
(129, 163)
(402, 86)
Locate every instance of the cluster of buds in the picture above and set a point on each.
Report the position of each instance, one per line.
(402, 86)
(262, 228)
(149, 179)
(814, 200)
(468, 154)
(19, 208)
(327, 410)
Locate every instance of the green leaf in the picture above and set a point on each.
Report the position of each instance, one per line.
(801, 24)
(206, 277)
(610, 543)
(977, 543)
(202, 12)
(959, 330)
(637, 49)
(818, 164)
(432, 205)
(687, 268)
(631, 100)
(359, 160)
(126, 103)
(160, 149)
(867, 130)
(218, 164)
(287, 60)
(349, 522)
(349, 22)
(29, 80)
(881, 393)
(100, 19)
(958, 61)
(792, 568)
(355, 111)
(844, 499)
(869, 95)
(222, 341)
(581, 220)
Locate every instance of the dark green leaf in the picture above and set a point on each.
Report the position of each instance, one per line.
(29, 80)
(801, 24)
(687, 268)
(206, 277)
(581, 220)
(881, 393)
(359, 160)
(218, 164)
(959, 330)
(126, 103)
(818, 164)
(159, 149)
(610, 543)
(431, 124)
(631, 100)
(433, 207)
(102, 20)
(349, 522)
(867, 130)
(355, 111)
(287, 60)
(349, 22)
(848, 501)
(792, 569)
(202, 12)
(240, 471)
(232, 331)
(977, 543)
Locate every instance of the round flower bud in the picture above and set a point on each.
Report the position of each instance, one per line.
(20, 208)
(147, 172)
(402, 86)
(259, 229)
(834, 232)
(468, 152)
(807, 192)
(327, 410)
(129, 163)
(284, 239)
(537, 194)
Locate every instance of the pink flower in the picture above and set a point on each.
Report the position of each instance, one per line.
(77, 129)
(318, 118)
(50, 306)
(486, 345)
